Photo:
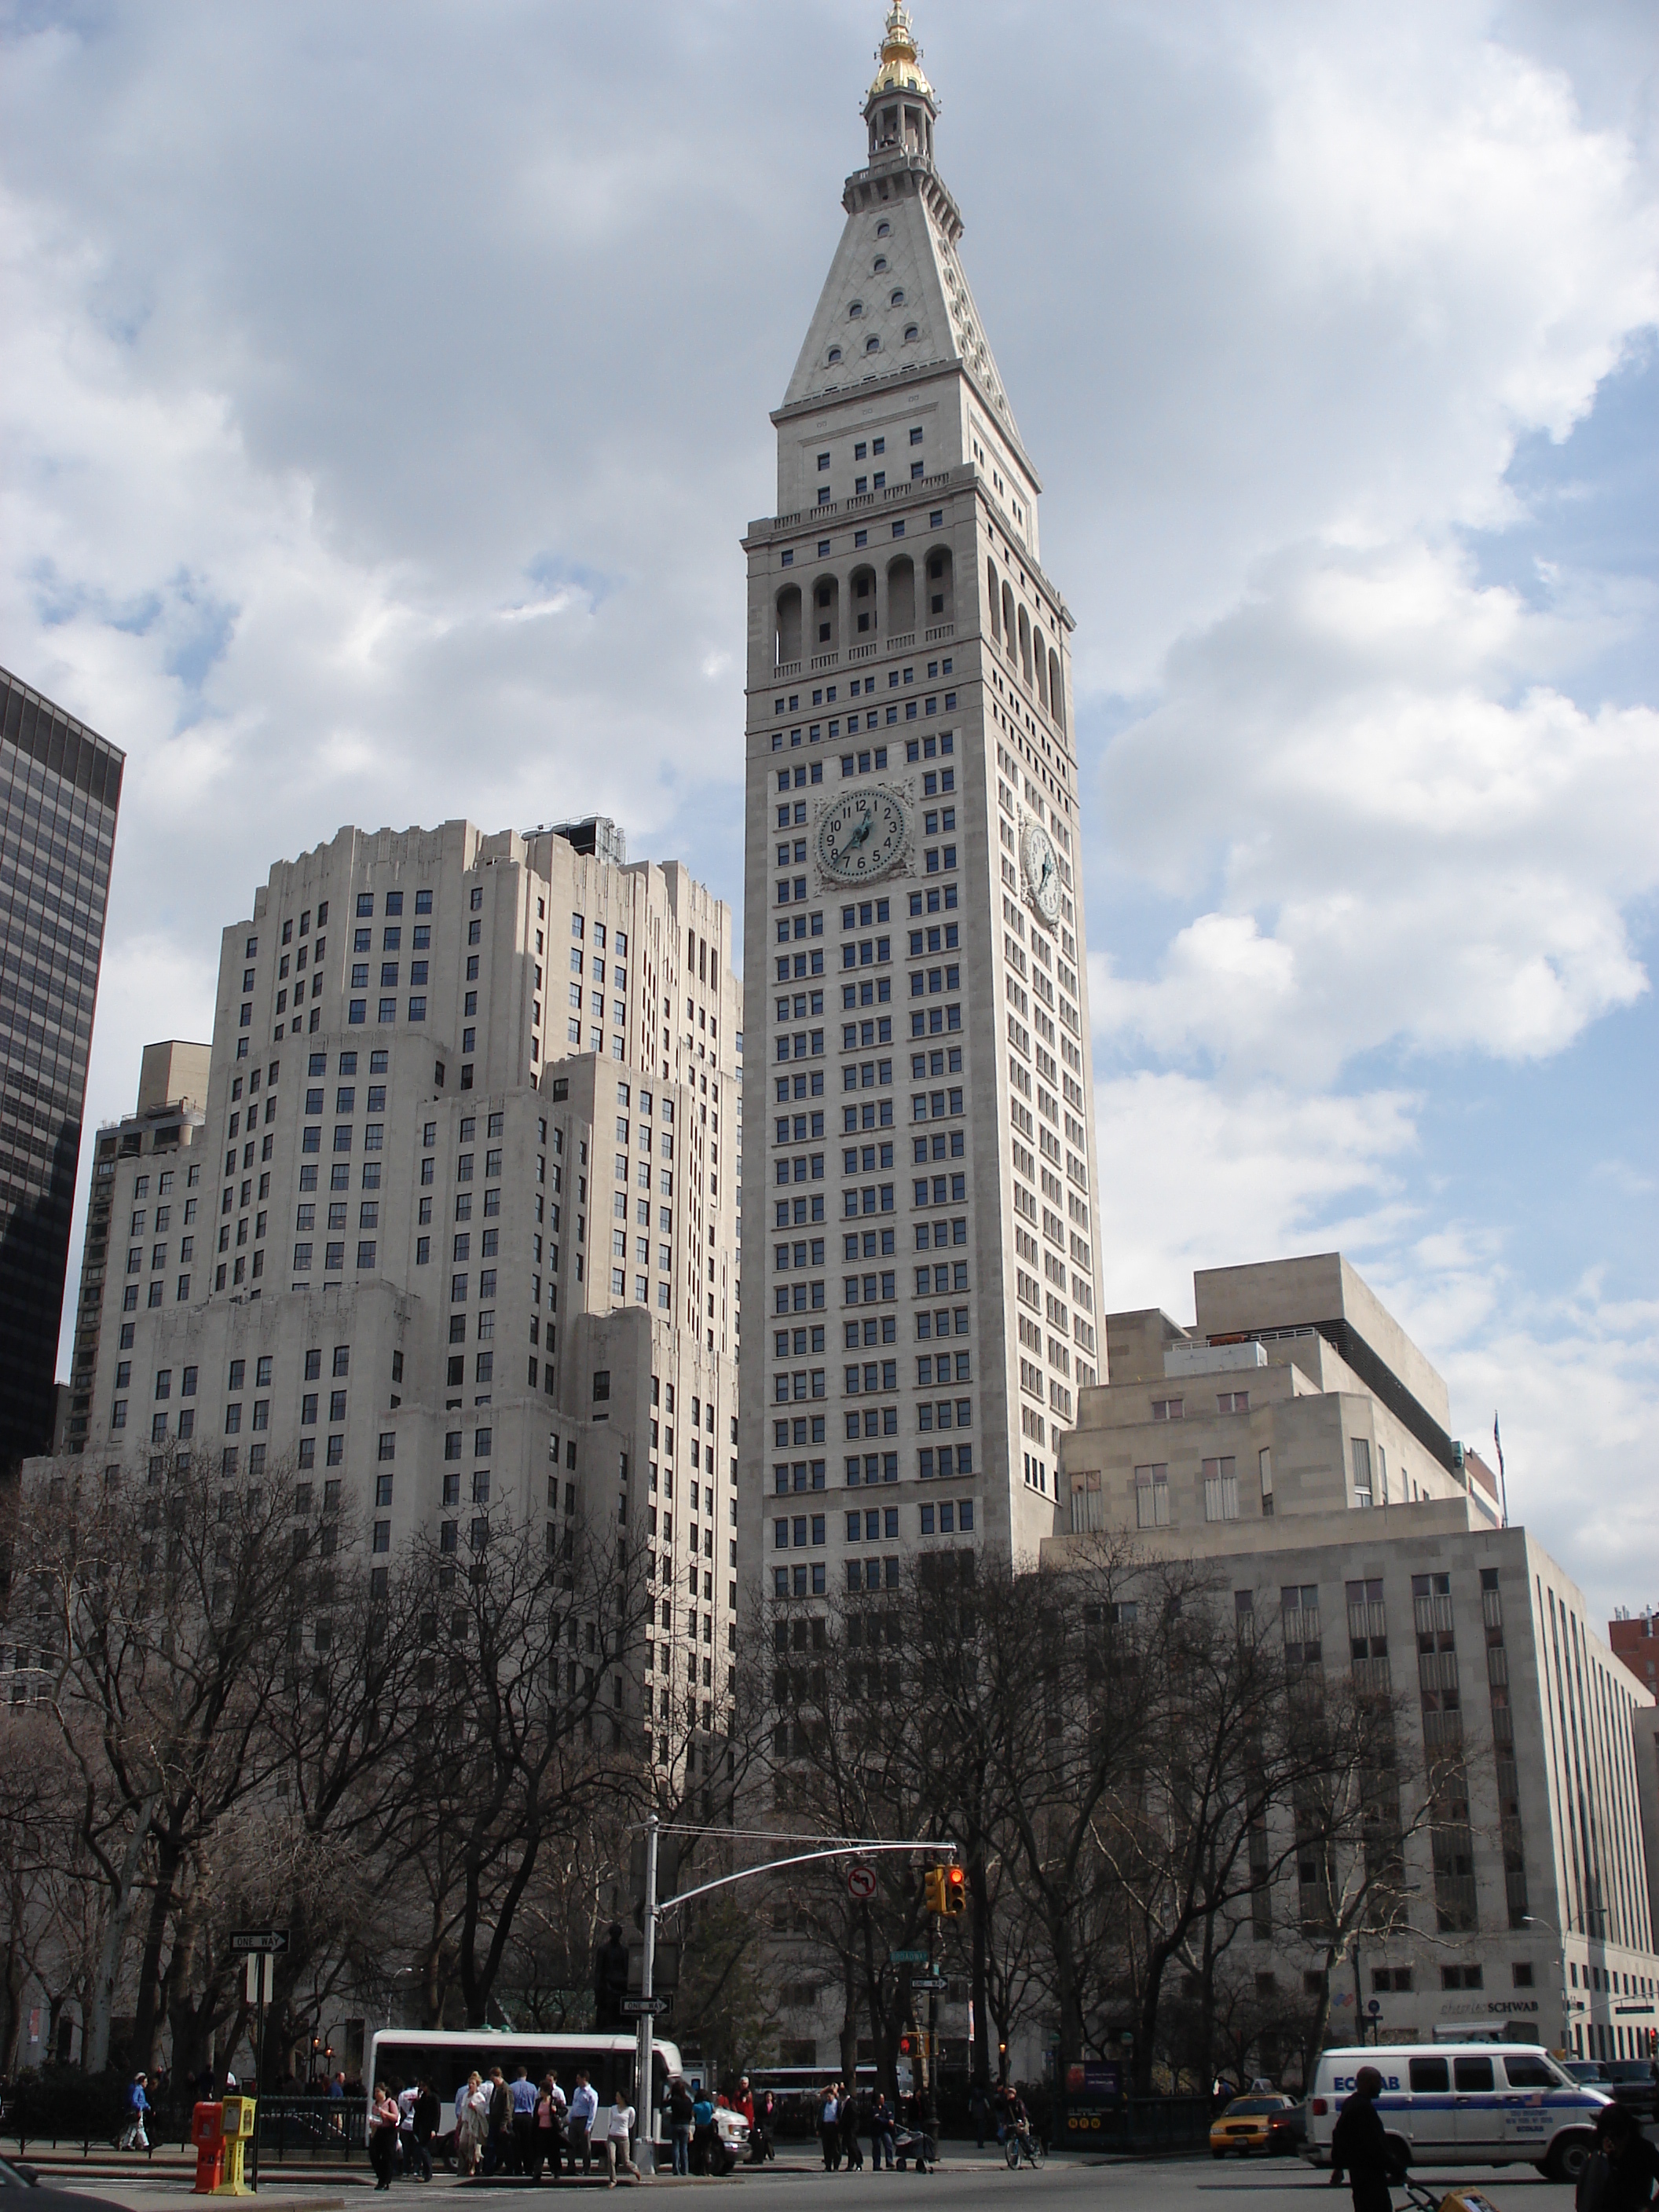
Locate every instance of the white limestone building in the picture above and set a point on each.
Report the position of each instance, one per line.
(456, 1205)
(921, 1169)
(1298, 1442)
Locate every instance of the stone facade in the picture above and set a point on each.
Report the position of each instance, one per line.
(456, 1208)
(922, 1190)
(1295, 1441)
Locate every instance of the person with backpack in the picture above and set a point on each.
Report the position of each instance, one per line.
(682, 2120)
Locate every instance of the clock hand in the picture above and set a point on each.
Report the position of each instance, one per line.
(862, 832)
(1048, 871)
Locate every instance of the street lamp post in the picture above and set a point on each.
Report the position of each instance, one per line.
(1533, 1920)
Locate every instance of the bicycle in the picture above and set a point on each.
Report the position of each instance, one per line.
(1024, 2143)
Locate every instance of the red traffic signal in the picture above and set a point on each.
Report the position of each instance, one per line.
(904, 2046)
(955, 1890)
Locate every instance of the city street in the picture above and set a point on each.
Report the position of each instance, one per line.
(965, 2179)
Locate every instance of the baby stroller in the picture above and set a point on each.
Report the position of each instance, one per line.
(1454, 2200)
(914, 2146)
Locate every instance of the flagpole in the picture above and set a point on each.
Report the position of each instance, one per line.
(1503, 1480)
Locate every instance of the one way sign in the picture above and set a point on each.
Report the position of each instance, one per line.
(273, 1939)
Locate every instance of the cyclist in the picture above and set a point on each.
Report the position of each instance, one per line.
(1017, 2122)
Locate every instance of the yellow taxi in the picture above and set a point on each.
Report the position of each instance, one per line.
(1247, 2124)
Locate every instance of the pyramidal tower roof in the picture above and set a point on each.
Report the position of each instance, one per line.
(908, 307)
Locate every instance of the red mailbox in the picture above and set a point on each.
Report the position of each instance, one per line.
(207, 2133)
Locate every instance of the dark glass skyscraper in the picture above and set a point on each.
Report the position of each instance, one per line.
(60, 786)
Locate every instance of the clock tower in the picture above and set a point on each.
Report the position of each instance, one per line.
(921, 1242)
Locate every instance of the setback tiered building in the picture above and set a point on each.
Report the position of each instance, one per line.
(1297, 1441)
(453, 1205)
(921, 1189)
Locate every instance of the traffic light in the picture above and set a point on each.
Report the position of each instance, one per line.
(933, 1890)
(956, 1892)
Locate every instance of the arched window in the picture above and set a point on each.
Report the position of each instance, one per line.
(873, 345)
(855, 311)
(880, 264)
(862, 596)
(788, 624)
(1025, 645)
(1041, 671)
(911, 334)
(996, 599)
(826, 614)
(1056, 691)
(897, 299)
(884, 230)
(834, 353)
(941, 586)
(900, 596)
(1010, 625)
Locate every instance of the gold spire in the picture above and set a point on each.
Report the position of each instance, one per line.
(901, 57)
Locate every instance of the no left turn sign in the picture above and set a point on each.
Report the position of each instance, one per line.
(861, 1883)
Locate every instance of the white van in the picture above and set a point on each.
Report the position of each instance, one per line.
(1463, 2104)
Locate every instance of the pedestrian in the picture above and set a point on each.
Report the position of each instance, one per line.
(426, 2110)
(138, 2104)
(498, 2151)
(978, 2105)
(681, 2121)
(584, 2109)
(407, 2097)
(383, 2118)
(522, 2093)
(766, 2124)
(881, 2133)
(1359, 2147)
(550, 2138)
(847, 2120)
(468, 2134)
(703, 2132)
(617, 2151)
(1633, 2163)
(829, 2129)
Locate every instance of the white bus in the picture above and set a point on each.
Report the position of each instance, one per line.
(400, 2055)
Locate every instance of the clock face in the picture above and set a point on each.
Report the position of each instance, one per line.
(862, 835)
(1041, 872)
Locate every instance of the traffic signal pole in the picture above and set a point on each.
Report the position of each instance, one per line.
(645, 2132)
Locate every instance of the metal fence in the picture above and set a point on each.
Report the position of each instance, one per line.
(323, 2129)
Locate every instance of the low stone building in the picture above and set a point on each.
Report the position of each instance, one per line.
(1296, 1440)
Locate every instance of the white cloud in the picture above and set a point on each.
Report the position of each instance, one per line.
(1193, 1176)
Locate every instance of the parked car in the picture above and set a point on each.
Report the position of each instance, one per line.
(1246, 2125)
(1287, 2131)
(1630, 2081)
(21, 2189)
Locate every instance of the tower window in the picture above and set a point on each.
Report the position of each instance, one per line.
(855, 311)
(897, 299)
(879, 265)
(823, 460)
(835, 355)
(884, 230)
(911, 334)
(873, 345)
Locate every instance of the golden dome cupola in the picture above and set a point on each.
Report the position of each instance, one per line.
(901, 107)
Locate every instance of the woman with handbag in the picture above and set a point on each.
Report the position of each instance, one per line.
(383, 2122)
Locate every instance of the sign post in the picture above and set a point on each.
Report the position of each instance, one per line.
(648, 2005)
(260, 1948)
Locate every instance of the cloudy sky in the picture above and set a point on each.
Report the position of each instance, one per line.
(384, 390)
